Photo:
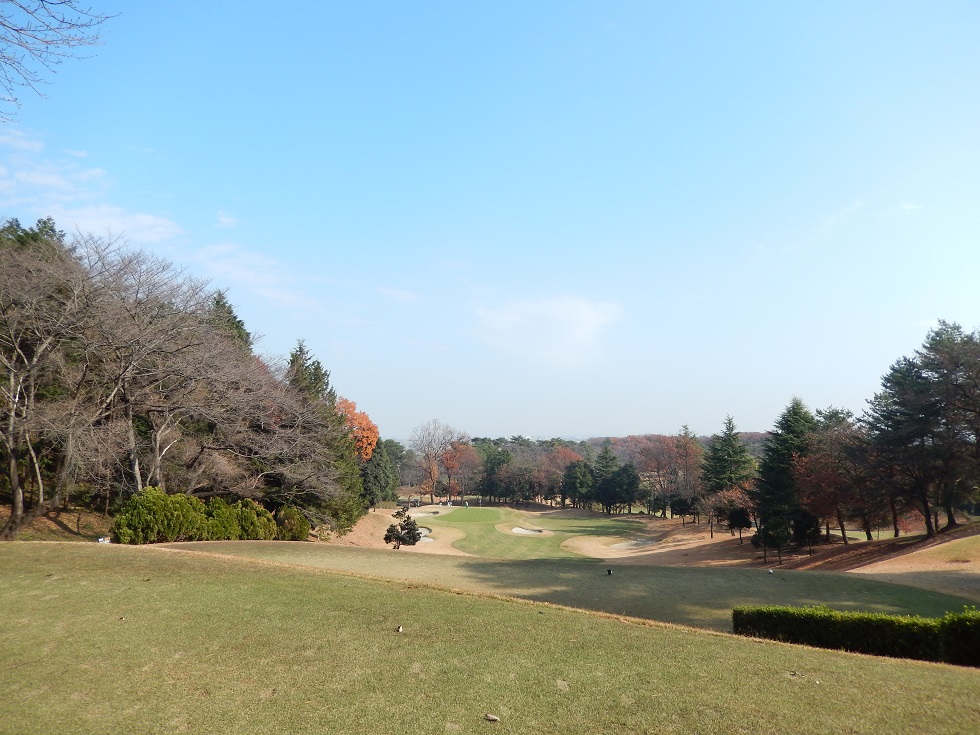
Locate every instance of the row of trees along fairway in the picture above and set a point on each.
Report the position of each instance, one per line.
(915, 450)
(120, 371)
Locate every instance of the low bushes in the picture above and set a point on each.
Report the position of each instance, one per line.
(293, 525)
(954, 638)
(151, 516)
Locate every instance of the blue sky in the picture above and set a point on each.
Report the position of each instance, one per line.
(549, 218)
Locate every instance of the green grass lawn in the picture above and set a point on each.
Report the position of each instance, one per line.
(483, 538)
(702, 597)
(110, 639)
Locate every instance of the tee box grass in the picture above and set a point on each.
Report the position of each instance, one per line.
(103, 638)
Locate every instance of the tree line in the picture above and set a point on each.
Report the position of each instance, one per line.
(915, 449)
(118, 372)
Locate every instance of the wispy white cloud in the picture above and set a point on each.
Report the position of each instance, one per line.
(43, 180)
(36, 183)
(105, 218)
(226, 220)
(21, 141)
(232, 265)
(563, 330)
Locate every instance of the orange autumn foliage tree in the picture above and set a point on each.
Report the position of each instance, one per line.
(362, 428)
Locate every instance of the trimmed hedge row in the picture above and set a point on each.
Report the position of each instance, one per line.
(151, 516)
(953, 638)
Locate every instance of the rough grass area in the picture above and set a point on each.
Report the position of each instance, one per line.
(702, 597)
(109, 639)
(487, 531)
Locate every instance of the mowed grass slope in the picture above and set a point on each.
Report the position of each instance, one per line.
(702, 597)
(110, 639)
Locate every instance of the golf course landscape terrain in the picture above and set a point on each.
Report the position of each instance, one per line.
(511, 613)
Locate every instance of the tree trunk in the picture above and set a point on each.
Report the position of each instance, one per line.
(16, 493)
(25, 518)
(866, 524)
(840, 522)
(134, 460)
(927, 513)
(950, 515)
(894, 509)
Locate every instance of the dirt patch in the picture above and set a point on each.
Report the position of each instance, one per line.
(841, 558)
(74, 524)
(952, 567)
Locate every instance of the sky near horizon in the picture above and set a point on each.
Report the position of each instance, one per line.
(548, 219)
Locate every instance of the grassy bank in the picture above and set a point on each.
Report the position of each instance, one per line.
(141, 640)
(702, 597)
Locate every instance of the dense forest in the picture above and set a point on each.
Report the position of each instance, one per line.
(120, 372)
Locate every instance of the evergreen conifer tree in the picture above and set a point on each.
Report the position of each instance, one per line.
(776, 494)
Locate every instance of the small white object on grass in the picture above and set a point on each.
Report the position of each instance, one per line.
(770, 571)
(399, 629)
(491, 718)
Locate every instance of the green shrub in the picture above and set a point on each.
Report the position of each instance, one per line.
(184, 519)
(152, 516)
(293, 525)
(954, 638)
(961, 637)
(256, 522)
(222, 521)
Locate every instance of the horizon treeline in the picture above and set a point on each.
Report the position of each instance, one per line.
(916, 449)
(120, 372)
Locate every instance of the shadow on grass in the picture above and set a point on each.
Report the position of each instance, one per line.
(697, 597)
(700, 597)
(951, 582)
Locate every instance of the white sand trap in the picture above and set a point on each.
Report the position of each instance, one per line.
(527, 531)
(640, 543)
(426, 539)
(425, 531)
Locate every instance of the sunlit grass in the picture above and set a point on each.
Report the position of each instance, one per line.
(487, 531)
(702, 597)
(109, 639)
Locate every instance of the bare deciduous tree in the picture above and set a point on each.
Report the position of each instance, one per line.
(114, 371)
(36, 36)
(431, 441)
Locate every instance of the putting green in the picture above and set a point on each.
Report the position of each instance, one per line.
(488, 532)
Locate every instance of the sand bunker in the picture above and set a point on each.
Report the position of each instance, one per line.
(425, 530)
(636, 544)
(523, 530)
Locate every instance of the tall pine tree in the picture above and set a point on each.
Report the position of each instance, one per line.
(307, 375)
(777, 496)
(727, 463)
